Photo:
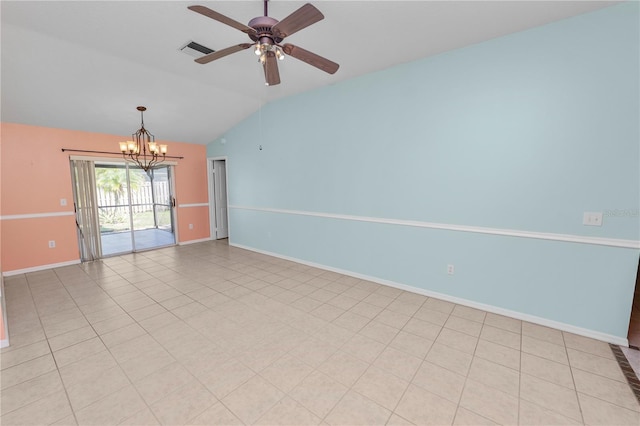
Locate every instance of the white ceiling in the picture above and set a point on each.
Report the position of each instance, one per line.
(86, 65)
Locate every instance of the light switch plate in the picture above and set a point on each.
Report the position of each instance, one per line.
(592, 219)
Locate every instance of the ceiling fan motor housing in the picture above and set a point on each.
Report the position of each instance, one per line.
(263, 25)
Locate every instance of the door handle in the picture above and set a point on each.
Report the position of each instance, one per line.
(173, 202)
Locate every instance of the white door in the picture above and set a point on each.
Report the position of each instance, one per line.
(220, 198)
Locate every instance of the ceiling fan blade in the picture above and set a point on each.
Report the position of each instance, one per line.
(221, 18)
(311, 58)
(298, 20)
(222, 53)
(271, 73)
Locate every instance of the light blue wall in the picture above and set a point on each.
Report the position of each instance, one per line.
(524, 132)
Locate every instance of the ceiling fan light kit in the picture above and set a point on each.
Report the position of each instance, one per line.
(267, 33)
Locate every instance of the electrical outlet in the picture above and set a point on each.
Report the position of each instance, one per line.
(191, 226)
(63, 202)
(592, 219)
(52, 244)
(450, 269)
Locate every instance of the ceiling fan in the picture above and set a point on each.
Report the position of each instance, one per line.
(267, 33)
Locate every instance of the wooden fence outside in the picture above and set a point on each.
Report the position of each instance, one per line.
(141, 198)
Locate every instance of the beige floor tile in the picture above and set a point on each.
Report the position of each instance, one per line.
(319, 393)
(71, 338)
(500, 336)
(183, 404)
(327, 312)
(217, 414)
(498, 354)
(411, 344)
(286, 372)
(47, 410)
(596, 364)
(542, 333)
(366, 310)
(544, 349)
(314, 351)
(24, 353)
(86, 368)
(433, 316)
(403, 307)
(393, 319)
(68, 421)
(30, 391)
(439, 305)
(147, 363)
(599, 412)
(425, 408)
(344, 368)
(535, 415)
(363, 348)
(396, 420)
(380, 332)
(463, 325)
(96, 386)
(163, 382)
(78, 351)
(505, 323)
(495, 375)
(469, 418)
(351, 321)
(457, 340)
(141, 418)
(548, 370)
(398, 363)
(112, 409)
(355, 409)
(333, 334)
(422, 328)
(158, 321)
(469, 313)
(551, 396)
(489, 402)
(450, 358)
(121, 335)
(288, 412)
(134, 348)
(585, 344)
(381, 387)
(439, 381)
(112, 324)
(252, 399)
(222, 379)
(612, 391)
(26, 371)
(379, 300)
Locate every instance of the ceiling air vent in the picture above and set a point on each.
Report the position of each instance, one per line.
(196, 49)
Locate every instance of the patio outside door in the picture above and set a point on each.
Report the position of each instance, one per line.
(135, 208)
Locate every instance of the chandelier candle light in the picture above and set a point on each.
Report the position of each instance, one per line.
(143, 150)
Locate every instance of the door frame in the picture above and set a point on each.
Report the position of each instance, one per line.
(212, 197)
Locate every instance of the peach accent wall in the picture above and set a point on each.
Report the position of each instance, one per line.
(35, 175)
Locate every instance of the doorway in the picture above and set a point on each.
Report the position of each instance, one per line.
(135, 208)
(122, 209)
(218, 210)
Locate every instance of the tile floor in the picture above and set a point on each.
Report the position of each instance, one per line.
(209, 334)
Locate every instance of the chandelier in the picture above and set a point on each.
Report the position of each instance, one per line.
(143, 151)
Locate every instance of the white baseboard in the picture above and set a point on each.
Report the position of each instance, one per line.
(616, 340)
(39, 268)
(201, 240)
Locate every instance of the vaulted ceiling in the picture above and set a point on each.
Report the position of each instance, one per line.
(86, 65)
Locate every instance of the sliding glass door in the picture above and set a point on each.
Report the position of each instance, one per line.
(135, 208)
